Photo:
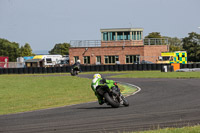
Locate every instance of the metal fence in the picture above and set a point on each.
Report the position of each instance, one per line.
(155, 41)
(99, 43)
(85, 43)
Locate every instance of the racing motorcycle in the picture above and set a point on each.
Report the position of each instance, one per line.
(75, 70)
(112, 96)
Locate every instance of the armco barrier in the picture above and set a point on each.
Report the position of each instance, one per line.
(111, 68)
(116, 67)
(92, 68)
(83, 68)
(101, 67)
(1, 71)
(135, 66)
(125, 67)
(129, 67)
(58, 69)
(10, 70)
(20, 71)
(148, 66)
(88, 68)
(106, 68)
(34, 70)
(25, 70)
(194, 65)
(144, 67)
(5, 71)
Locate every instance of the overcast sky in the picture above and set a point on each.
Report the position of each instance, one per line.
(43, 23)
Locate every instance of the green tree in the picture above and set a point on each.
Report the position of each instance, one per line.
(175, 44)
(154, 35)
(192, 45)
(154, 38)
(10, 49)
(60, 48)
(173, 48)
(26, 50)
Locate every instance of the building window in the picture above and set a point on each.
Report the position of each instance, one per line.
(76, 58)
(105, 36)
(130, 59)
(86, 59)
(111, 59)
(111, 36)
(134, 35)
(98, 59)
(119, 35)
(126, 35)
(138, 35)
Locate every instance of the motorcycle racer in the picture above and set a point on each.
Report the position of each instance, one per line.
(99, 82)
(77, 65)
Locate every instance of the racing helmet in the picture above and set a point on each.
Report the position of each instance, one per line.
(97, 76)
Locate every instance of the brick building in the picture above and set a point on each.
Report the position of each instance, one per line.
(118, 46)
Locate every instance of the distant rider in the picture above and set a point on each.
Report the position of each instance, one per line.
(99, 82)
(77, 65)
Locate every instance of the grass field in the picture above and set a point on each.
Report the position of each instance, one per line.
(25, 93)
(194, 129)
(19, 93)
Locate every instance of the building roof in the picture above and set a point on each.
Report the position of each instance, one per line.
(121, 29)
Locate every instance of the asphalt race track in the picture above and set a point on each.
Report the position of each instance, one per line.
(160, 103)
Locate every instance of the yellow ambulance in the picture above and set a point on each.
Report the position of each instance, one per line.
(173, 57)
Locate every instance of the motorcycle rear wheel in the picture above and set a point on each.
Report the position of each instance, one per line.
(111, 101)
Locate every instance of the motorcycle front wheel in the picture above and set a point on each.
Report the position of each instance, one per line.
(125, 102)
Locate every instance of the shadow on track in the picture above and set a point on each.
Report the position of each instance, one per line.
(96, 108)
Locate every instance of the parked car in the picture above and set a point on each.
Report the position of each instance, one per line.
(146, 62)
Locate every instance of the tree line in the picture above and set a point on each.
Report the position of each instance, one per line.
(191, 44)
(13, 49)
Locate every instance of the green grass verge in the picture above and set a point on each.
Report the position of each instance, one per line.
(20, 93)
(157, 74)
(194, 129)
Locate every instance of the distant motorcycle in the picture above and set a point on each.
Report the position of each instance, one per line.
(75, 70)
(113, 96)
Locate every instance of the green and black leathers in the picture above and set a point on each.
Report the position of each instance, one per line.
(100, 82)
